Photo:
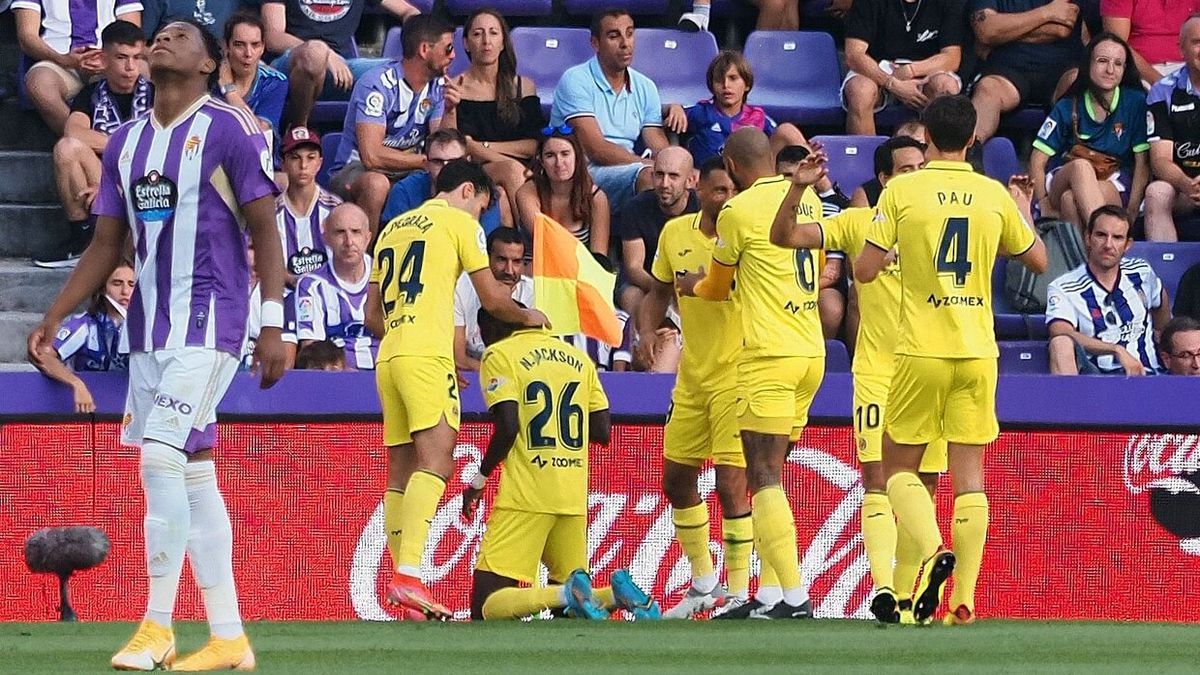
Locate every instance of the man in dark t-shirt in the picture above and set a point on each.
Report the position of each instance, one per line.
(1025, 69)
(640, 221)
(96, 111)
(314, 41)
(212, 14)
(900, 50)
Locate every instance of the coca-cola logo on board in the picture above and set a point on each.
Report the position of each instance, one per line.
(1156, 461)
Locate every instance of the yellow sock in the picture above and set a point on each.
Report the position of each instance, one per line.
(970, 533)
(421, 499)
(914, 509)
(518, 603)
(908, 563)
(604, 595)
(879, 538)
(392, 501)
(776, 532)
(766, 573)
(691, 529)
(738, 536)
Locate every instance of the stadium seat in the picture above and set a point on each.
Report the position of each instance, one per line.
(635, 7)
(796, 76)
(676, 61)
(1000, 159)
(1169, 260)
(461, 60)
(1009, 323)
(392, 47)
(1025, 118)
(505, 7)
(1025, 356)
(851, 159)
(837, 359)
(329, 148)
(544, 53)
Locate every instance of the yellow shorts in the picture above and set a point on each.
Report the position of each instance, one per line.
(870, 402)
(701, 427)
(416, 392)
(776, 393)
(933, 398)
(516, 541)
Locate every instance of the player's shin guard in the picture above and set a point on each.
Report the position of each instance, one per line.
(914, 509)
(166, 526)
(970, 533)
(517, 603)
(738, 534)
(210, 548)
(775, 529)
(420, 504)
(392, 501)
(879, 538)
(691, 529)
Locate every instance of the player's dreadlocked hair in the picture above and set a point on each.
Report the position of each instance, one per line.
(211, 45)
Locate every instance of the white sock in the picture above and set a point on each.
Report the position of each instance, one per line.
(166, 526)
(796, 596)
(769, 595)
(210, 548)
(705, 584)
(702, 10)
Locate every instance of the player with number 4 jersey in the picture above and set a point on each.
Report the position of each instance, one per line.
(418, 259)
(947, 224)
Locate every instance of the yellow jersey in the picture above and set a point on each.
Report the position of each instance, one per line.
(712, 331)
(776, 287)
(418, 259)
(555, 387)
(947, 224)
(878, 301)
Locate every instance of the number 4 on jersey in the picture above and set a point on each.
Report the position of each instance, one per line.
(952, 257)
(408, 277)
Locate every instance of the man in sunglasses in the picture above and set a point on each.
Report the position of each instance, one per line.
(392, 111)
(1103, 315)
(442, 147)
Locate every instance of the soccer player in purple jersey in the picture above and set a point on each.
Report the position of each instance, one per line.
(182, 181)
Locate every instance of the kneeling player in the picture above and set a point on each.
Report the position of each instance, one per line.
(702, 423)
(546, 403)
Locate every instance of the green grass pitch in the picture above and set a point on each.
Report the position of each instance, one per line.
(680, 647)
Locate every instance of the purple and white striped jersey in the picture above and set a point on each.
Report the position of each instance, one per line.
(67, 24)
(604, 356)
(330, 308)
(180, 189)
(300, 233)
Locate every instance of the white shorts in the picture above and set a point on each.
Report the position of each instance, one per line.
(1118, 179)
(173, 397)
(887, 98)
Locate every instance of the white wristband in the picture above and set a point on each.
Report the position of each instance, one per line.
(478, 480)
(272, 314)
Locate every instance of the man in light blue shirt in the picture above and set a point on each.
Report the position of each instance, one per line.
(610, 106)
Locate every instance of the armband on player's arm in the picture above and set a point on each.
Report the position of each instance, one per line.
(717, 284)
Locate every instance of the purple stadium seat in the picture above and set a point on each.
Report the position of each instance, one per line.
(392, 47)
(796, 76)
(329, 148)
(461, 61)
(505, 7)
(544, 53)
(837, 359)
(1025, 356)
(676, 61)
(1025, 118)
(851, 159)
(1000, 159)
(635, 7)
(1169, 260)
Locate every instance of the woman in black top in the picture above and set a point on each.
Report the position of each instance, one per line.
(499, 111)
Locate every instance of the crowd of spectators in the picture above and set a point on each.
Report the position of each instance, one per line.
(1118, 154)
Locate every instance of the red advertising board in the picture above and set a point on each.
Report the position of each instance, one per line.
(1084, 525)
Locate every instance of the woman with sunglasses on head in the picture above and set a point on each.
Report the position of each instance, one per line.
(1095, 137)
(499, 111)
(92, 340)
(562, 189)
